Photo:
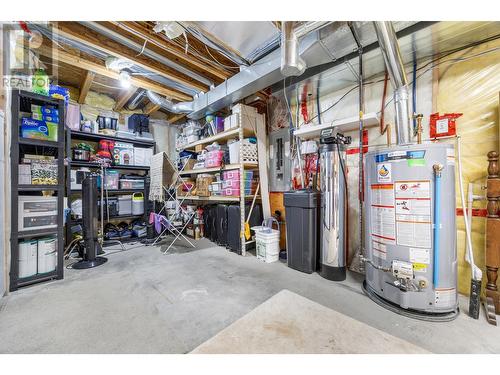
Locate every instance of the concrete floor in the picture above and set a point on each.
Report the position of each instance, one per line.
(142, 301)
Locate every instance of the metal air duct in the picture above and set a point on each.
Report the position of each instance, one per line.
(291, 62)
(136, 100)
(181, 107)
(389, 46)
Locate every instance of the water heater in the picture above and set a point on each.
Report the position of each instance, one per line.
(409, 230)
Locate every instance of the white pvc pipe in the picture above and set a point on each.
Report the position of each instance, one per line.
(476, 273)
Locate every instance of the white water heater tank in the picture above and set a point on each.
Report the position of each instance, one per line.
(410, 230)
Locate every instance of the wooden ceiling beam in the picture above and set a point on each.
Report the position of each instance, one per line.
(82, 34)
(159, 41)
(176, 118)
(124, 98)
(150, 108)
(101, 69)
(85, 86)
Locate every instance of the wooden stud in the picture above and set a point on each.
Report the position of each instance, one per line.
(95, 40)
(124, 98)
(100, 69)
(176, 118)
(137, 29)
(85, 86)
(150, 108)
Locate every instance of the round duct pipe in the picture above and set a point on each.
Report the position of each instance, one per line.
(136, 100)
(181, 107)
(291, 62)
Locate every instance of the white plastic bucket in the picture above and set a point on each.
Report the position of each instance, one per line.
(27, 258)
(137, 204)
(47, 254)
(267, 245)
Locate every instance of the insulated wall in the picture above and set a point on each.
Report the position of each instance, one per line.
(471, 85)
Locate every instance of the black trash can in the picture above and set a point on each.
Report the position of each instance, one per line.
(301, 208)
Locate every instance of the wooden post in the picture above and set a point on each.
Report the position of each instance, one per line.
(493, 229)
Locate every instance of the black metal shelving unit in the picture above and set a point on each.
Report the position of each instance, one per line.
(20, 101)
(91, 137)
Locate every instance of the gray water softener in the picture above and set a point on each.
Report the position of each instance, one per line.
(333, 211)
(410, 231)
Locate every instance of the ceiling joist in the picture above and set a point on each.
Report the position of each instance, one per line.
(85, 86)
(150, 108)
(161, 42)
(101, 69)
(79, 33)
(124, 98)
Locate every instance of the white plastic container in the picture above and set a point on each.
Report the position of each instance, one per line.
(27, 258)
(124, 205)
(249, 152)
(267, 245)
(137, 204)
(47, 254)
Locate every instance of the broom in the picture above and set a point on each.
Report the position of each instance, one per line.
(247, 225)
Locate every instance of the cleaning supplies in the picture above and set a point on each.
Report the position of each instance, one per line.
(476, 273)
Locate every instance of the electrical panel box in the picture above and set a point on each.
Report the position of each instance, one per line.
(280, 168)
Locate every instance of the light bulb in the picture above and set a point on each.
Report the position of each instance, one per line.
(125, 79)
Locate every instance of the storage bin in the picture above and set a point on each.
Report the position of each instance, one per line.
(249, 152)
(28, 251)
(234, 184)
(131, 183)
(111, 179)
(125, 205)
(213, 159)
(232, 121)
(137, 204)
(107, 122)
(47, 254)
(110, 207)
(142, 156)
(235, 175)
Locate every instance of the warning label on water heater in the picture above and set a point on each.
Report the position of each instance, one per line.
(383, 214)
(413, 213)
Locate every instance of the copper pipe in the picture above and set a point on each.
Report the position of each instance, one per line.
(419, 118)
(388, 133)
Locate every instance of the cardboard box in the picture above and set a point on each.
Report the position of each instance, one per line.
(202, 185)
(189, 164)
(123, 153)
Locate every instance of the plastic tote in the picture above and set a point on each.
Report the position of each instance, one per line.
(137, 204)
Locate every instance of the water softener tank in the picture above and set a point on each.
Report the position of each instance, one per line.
(332, 258)
(409, 230)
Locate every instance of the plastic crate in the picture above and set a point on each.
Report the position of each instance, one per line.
(249, 152)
